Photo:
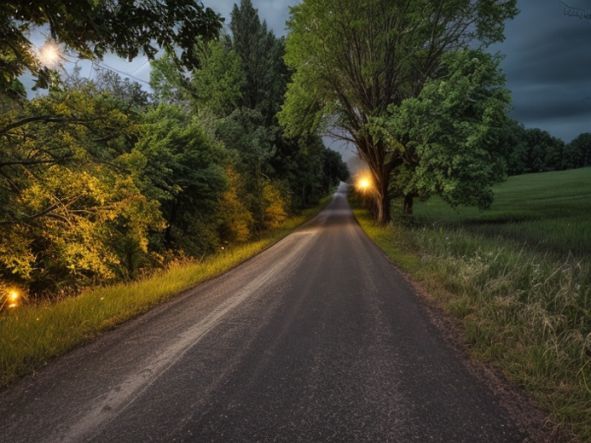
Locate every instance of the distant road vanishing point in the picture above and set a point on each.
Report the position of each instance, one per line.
(319, 338)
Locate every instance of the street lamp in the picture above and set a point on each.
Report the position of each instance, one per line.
(50, 54)
(364, 184)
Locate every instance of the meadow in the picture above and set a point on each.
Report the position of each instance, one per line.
(550, 211)
(517, 280)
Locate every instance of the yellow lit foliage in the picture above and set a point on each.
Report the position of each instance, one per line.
(275, 205)
(236, 219)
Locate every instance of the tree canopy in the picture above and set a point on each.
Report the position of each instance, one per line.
(93, 28)
(354, 60)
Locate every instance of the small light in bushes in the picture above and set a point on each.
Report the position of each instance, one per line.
(13, 298)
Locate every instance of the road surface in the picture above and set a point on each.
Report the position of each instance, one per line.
(319, 338)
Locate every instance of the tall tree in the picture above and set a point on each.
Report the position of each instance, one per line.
(355, 58)
(579, 151)
(261, 54)
(451, 134)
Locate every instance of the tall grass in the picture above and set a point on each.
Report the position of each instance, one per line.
(33, 334)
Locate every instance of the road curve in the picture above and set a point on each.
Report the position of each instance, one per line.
(318, 338)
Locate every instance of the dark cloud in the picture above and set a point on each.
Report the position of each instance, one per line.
(547, 61)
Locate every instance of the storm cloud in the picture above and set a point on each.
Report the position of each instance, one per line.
(547, 62)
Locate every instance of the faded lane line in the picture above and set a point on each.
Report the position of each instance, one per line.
(119, 397)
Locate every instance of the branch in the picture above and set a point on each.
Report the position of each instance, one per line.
(40, 118)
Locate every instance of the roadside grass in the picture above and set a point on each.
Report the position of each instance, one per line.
(522, 297)
(33, 334)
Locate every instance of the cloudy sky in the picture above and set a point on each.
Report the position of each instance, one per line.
(547, 60)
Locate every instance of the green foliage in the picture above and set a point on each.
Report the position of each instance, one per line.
(184, 173)
(236, 220)
(448, 135)
(99, 183)
(261, 54)
(354, 60)
(168, 83)
(94, 28)
(578, 152)
(219, 83)
(66, 192)
(535, 150)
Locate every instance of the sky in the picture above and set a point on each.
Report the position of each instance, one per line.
(547, 61)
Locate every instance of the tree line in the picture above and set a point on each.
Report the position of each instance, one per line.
(102, 181)
(535, 150)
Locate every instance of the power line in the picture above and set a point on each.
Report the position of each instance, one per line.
(118, 71)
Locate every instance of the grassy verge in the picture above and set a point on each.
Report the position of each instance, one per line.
(34, 334)
(522, 307)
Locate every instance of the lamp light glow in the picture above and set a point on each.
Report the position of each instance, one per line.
(50, 54)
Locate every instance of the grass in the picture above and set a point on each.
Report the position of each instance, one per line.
(518, 280)
(33, 334)
(550, 211)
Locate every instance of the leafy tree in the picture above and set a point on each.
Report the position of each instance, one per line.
(449, 135)
(540, 151)
(218, 84)
(169, 84)
(93, 28)
(129, 92)
(354, 59)
(261, 54)
(515, 145)
(68, 195)
(244, 133)
(184, 171)
(579, 151)
(275, 205)
(236, 221)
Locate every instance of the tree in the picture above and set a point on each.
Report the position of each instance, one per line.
(69, 198)
(244, 133)
(261, 55)
(354, 59)
(543, 152)
(451, 133)
(93, 28)
(218, 84)
(579, 151)
(184, 171)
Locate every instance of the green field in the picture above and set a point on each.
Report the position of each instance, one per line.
(550, 211)
(517, 278)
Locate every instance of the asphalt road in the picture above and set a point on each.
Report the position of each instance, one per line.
(318, 338)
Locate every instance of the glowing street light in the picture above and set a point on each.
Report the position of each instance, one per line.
(49, 54)
(364, 184)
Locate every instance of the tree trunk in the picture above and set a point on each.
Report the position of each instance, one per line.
(408, 203)
(382, 200)
(383, 209)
